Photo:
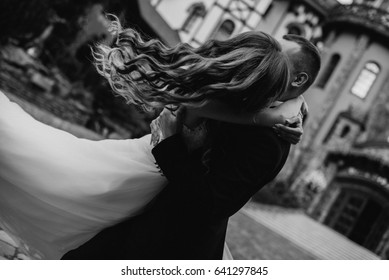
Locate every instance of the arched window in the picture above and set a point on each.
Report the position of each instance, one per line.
(324, 78)
(365, 80)
(225, 30)
(195, 11)
(345, 131)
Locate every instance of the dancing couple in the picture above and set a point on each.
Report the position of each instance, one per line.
(230, 110)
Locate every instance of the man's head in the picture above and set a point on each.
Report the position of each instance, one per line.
(305, 64)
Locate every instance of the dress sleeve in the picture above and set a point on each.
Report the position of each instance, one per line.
(237, 171)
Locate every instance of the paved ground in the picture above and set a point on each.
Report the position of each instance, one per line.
(307, 234)
(248, 239)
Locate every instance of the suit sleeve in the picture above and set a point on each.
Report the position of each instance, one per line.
(236, 172)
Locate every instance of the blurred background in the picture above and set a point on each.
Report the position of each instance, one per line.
(331, 200)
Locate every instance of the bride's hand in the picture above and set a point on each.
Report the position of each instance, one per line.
(168, 123)
(292, 131)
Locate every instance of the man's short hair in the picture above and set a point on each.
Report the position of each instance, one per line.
(311, 61)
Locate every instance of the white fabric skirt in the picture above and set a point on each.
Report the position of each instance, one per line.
(57, 190)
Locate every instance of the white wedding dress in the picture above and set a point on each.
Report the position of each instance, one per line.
(57, 190)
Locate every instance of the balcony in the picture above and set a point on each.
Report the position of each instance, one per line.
(359, 17)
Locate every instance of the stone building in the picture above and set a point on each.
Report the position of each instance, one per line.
(340, 169)
(196, 20)
(355, 202)
(346, 140)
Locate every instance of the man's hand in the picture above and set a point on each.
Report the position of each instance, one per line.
(167, 124)
(292, 131)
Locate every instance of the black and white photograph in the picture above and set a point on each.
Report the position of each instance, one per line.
(194, 130)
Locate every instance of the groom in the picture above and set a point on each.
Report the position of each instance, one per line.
(188, 219)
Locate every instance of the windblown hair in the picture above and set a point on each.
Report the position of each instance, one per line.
(249, 70)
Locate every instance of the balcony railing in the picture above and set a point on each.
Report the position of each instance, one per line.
(361, 160)
(360, 15)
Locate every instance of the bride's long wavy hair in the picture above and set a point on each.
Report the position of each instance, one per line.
(248, 70)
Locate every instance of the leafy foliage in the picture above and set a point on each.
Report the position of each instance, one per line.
(51, 28)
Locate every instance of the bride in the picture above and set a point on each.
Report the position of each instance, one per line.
(57, 190)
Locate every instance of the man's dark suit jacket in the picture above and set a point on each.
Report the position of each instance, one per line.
(188, 219)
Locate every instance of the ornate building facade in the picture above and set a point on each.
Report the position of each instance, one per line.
(341, 167)
(347, 135)
(196, 21)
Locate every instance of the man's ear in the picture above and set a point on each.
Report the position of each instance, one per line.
(300, 79)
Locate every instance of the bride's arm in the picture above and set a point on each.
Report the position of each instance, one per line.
(266, 117)
(279, 114)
